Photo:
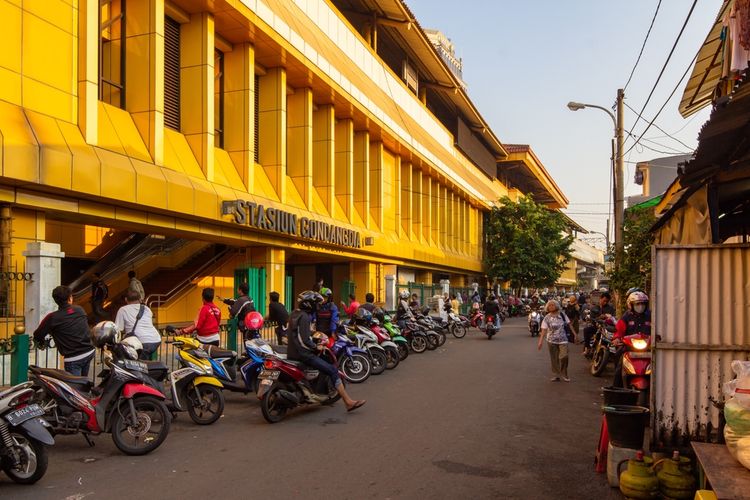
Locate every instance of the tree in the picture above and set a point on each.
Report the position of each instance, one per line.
(526, 243)
(634, 269)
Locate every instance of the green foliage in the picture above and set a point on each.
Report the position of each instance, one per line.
(634, 267)
(526, 243)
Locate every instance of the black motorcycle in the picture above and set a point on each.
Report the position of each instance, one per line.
(603, 348)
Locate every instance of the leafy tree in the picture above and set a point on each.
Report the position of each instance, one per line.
(634, 266)
(526, 243)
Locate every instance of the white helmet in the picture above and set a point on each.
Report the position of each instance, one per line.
(404, 294)
(106, 333)
(637, 297)
(131, 345)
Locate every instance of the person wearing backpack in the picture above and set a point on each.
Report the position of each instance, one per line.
(135, 318)
(240, 307)
(99, 293)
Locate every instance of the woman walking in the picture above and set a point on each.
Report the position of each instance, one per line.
(553, 329)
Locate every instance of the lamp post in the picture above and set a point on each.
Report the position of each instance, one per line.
(618, 187)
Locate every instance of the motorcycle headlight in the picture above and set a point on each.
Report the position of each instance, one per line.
(627, 366)
(648, 369)
(640, 344)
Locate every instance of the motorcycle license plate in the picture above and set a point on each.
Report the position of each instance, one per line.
(138, 366)
(268, 375)
(639, 355)
(17, 417)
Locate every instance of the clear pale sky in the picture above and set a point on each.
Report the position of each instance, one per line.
(524, 60)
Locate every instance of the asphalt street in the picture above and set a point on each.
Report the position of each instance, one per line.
(473, 419)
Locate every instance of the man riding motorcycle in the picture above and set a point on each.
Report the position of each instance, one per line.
(637, 319)
(604, 310)
(326, 316)
(302, 348)
(492, 307)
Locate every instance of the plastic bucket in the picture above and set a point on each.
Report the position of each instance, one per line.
(626, 425)
(620, 396)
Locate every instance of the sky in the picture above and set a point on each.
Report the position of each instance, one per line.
(524, 61)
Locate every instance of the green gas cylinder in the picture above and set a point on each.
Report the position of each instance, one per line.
(676, 480)
(639, 480)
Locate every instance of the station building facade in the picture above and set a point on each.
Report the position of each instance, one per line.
(200, 143)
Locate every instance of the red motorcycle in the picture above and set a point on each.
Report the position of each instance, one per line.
(489, 326)
(476, 317)
(636, 365)
(123, 404)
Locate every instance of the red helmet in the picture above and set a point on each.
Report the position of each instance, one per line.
(254, 320)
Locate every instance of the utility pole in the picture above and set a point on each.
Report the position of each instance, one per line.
(619, 180)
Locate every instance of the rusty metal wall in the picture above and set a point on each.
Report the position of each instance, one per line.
(701, 308)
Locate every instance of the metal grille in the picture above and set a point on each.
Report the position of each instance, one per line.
(257, 116)
(171, 73)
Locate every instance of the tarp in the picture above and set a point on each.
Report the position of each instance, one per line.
(690, 224)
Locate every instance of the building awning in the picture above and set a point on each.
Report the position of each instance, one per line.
(524, 169)
(648, 203)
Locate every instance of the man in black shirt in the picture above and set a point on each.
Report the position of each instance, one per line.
(278, 314)
(492, 308)
(69, 327)
(240, 307)
(369, 303)
(601, 311)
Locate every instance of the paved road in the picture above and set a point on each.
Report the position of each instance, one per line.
(474, 419)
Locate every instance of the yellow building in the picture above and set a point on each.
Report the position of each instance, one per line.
(199, 143)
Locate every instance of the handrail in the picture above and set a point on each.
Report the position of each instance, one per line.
(161, 298)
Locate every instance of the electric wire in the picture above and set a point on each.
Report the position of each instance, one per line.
(667, 134)
(664, 67)
(643, 46)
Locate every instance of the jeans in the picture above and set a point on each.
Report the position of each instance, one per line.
(325, 367)
(280, 334)
(149, 348)
(80, 367)
(558, 356)
(588, 335)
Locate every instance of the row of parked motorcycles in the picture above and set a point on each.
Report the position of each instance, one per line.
(135, 401)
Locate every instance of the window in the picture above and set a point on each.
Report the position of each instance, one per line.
(219, 98)
(112, 52)
(257, 117)
(171, 73)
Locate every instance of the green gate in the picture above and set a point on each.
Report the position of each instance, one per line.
(289, 301)
(347, 287)
(255, 277)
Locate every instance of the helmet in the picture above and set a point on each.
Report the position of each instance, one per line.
(404, 294)
(253, 320)
(637, 297)
(632, 290)
(130, 346)
(326, 292)
(309, 300)
(320, 338)
(106, 333)
(363, 315)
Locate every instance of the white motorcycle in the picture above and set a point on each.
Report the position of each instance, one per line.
(535, 323)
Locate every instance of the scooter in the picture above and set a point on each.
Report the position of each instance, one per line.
(402, 343)
(489, 326)
(636, 365)
(384, 338)
(417, 339)
(23, 435)
(366, 340)
(535, 323)
(353, 361)
(603, 347)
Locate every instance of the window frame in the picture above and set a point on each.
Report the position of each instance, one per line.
(121, 17)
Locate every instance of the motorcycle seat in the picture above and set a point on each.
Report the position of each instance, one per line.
(298, 364)
(217, 352)
(62, 375)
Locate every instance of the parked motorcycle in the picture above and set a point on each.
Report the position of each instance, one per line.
(23, 435)
(417, 339)
(476, 318)
(402, 343)
(390, 346)
(535, 323)
(603, 348)
(353, 361)
(636, 365)
(366, 340)
(456, 325)
(287, 384)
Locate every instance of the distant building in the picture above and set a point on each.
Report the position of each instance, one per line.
(655, 176)
(447, 52)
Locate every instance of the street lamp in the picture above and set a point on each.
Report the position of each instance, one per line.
(617, 164)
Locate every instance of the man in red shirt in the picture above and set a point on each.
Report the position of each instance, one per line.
(207, 323)
(352, 307)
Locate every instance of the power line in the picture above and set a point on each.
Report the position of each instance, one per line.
(664, 67)
(667, 134)
(643, 46)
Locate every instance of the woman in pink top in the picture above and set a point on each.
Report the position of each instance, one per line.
(353, 305)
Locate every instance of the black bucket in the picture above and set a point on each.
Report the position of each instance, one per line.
(620, 396)
(626, 425)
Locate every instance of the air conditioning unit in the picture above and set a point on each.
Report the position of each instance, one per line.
(410, 76)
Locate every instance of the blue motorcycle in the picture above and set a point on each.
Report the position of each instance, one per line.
(353, 361)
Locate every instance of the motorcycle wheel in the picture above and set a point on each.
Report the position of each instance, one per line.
(458, 330)
(273, 409)
(206, 406)
(599, 361)
(392, 356)
(33, 460)
(432, 340)
(378, 360)
(403, 350)
(150, 414)
(441, 338)
(356, 368)
(418, 344)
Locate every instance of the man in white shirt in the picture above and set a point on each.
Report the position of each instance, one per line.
(137, 319)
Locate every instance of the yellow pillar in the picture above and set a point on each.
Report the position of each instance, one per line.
(343, 168)
(451, 220)
(299, 126)
(274, 261)
(458, 280)
(365, 276)
(361, 177)
(416, 204)
(397, 196)
(272, 124)
(324, 154)
(376, 184)
(406, 198)
(144, 72)
(197, 88)
(444, 216)
(435, 211)
(88, 64)
(426, 207)
(239, 110)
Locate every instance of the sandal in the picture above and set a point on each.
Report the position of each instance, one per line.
(356, 405)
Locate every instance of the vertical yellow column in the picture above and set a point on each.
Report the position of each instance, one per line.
(397, 195)
(343, 168)
(453, 219)
(435, 212)
(376, 184)
(239, 110)
(272, 124)
(364, 275)
(299, 127)
(458, 280)
(467, 227)
(443, 216)
(361, 177)
(416, 204)
(197, 88)
(426, 207)
(88, 64)
(406, 198)
(144, 72)
(323, 154)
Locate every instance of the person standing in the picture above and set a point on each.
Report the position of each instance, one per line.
(240, 307)
(327, 315)
(135, 318)
(553, 330)
(352, 307)
(136, 286)
(69, 327)
(455, 303)
(99, 293)
(573, 312)
(278, 314)
(207, 324)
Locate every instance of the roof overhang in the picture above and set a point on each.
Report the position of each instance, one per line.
(523, 164)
